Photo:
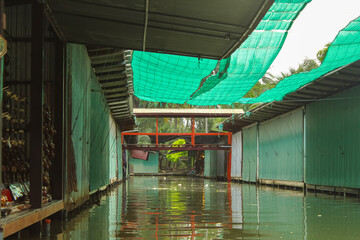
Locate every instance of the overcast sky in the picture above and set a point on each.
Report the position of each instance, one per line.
(316, 25)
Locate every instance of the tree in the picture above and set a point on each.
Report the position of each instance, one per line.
(174, 157)
(269, 81)
(322, 53)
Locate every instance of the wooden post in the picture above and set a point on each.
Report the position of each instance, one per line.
(36, 105)
(57, 170)
(2, 9)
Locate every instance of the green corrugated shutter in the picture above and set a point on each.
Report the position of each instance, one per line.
(249, 154)
(93, 129)
(210, 163)
(282, 148)
(79, 72)
(333, 140)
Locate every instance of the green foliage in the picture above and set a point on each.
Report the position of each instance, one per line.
(269, 81)
(322, 53)
(174, 157)
(179, 143)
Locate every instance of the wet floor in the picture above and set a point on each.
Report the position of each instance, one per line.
(194, 208)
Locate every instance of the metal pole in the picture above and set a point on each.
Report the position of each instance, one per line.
(193, 131)
(206, 125)
(157, 130)
(304, 150)
(257, 152)
(36, 105)
(229, 158)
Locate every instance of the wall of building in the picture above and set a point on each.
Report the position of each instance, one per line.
(78, 175)
(210, 163)
(333, 140)
(93, 131)
(330, 134)
(281, 148)
(221, 163)
(236, 155)
(145, 166)
(249, 153)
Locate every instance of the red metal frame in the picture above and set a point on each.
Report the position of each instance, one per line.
(193, 146)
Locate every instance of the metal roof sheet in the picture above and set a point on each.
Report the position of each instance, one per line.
(203, 28)
(111, 69)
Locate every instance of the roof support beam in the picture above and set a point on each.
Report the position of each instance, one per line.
(112, 76)
(111, 68)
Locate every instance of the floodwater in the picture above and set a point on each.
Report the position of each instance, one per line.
(195, 208)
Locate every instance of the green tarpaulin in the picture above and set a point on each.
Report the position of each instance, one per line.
(179, 79)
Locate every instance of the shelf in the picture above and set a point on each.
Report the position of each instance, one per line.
(18, 221)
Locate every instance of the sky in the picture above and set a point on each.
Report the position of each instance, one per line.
(317, 25)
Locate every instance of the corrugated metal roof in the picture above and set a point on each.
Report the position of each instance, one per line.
(203, 28)
(111, 67)
(330, 84)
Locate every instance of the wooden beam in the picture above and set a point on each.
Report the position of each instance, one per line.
(36, 105)
(2, 9)
(196, 112)
(58, 167)
(18, 221)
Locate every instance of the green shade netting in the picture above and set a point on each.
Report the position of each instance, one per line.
(345, 49)
(243, 69)
(168, 78)
(176, 79)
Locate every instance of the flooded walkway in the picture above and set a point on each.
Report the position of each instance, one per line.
(194, 208)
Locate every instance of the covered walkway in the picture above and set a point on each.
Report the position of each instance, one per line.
(71, 73)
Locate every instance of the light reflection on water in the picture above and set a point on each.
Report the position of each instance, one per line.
(194, 208)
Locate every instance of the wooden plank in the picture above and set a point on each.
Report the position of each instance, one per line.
(197, 112)
(282, 183)
(21, 220)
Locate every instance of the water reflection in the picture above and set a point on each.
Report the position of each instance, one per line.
(192, 208)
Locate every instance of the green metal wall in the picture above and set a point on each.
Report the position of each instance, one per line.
(333, 140)
(210, 163)
(249, 154)
(112, 150)
(281, 148)
(79, 73)
(221, 163)
(146, 166)
(99, 143)
(119, 154)
(93, 129)
(236, 155)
